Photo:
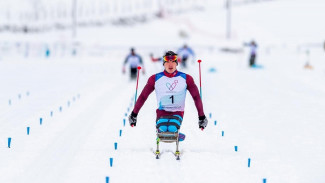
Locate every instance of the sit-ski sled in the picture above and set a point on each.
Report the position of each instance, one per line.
(168, 137)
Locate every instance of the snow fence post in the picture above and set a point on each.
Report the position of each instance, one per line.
(9, 142)
(111, 162)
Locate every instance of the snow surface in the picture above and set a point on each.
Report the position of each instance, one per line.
(273, 114)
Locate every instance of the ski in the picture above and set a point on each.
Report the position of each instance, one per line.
(157, 153)
(177, 154)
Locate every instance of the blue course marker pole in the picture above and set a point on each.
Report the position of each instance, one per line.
(264, 180)
(28, 130)
(51, 113)
(40, 121)
(19, 96)
(249, 162)
(111, 162)
(215, 123)
(107, 179)
(123, 122)
(222, 133)
(9, 102)
(236, 148)
(120, 133)
(9, 142)
(115, 145)
(210, 115)
(68, 103)
(60, 109)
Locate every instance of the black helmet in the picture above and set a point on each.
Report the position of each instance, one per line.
(170, 53)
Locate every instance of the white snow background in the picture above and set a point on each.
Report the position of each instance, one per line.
(274, 115)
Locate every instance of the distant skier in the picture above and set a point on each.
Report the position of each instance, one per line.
(253, 53)
(134, 60)
(153, 59)
(184, 53)
(170, 87)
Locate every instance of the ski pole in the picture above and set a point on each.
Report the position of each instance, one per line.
(200, 78)
(136, 89)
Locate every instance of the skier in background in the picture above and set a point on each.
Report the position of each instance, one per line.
(134, 60)
(184, 53)
(170, 87)
(253, 50)
(153, 59)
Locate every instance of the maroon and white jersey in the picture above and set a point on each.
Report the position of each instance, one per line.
(170, 92)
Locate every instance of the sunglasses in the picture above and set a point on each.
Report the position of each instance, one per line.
(170, 58)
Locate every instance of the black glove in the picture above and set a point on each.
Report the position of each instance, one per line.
(133, 119)
(203, 122)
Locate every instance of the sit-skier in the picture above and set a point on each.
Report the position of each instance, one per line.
(170, 86)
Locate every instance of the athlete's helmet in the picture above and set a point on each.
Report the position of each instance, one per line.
(170, 55)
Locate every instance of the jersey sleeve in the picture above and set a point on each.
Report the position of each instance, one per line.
(140, 59)
(126, 60)
(147, 90)
(194, 91)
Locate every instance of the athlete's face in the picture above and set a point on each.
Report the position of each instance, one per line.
(170, 66)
